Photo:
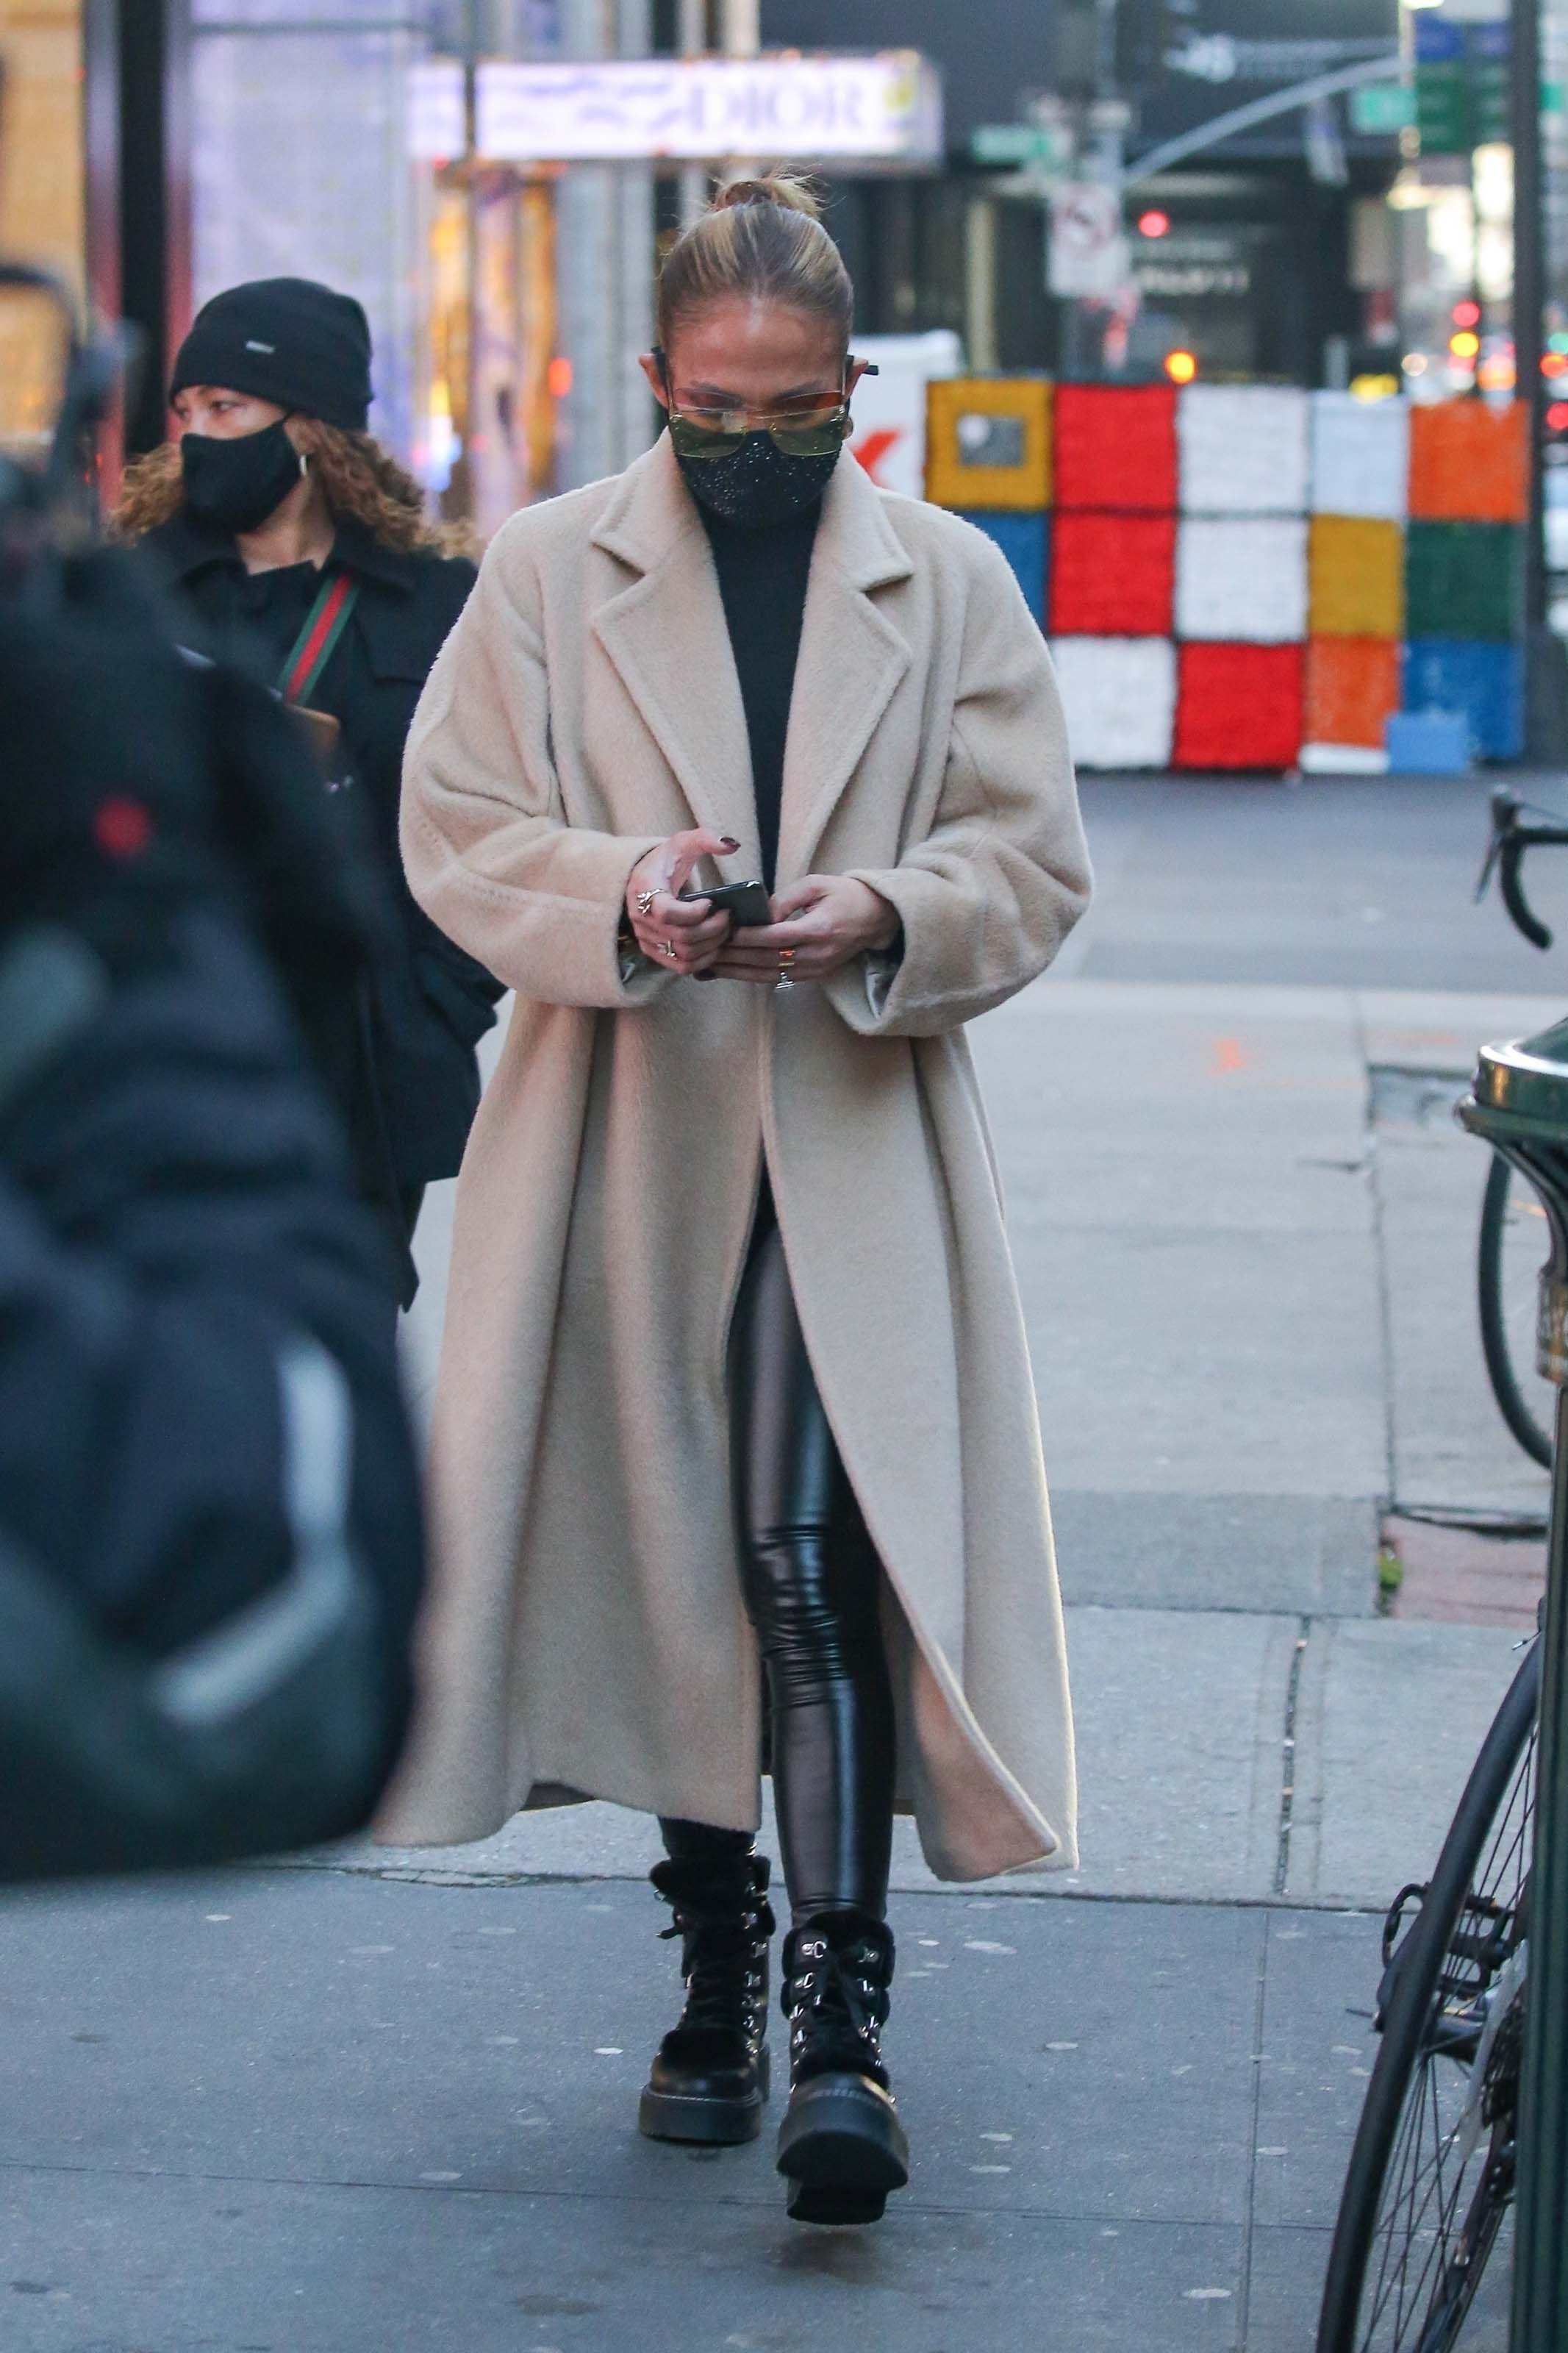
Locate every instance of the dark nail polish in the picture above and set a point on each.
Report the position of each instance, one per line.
(728, 841)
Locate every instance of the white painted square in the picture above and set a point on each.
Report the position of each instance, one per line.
(1242, 579)
(1242, 448)
(1361, 456)
(1120, 694)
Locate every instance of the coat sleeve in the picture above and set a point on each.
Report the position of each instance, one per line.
(489, 853)
(990, 893)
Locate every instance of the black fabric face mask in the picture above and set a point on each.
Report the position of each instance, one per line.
(236, 485)
(757, 484)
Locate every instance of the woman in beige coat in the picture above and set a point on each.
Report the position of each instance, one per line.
(734, 1393)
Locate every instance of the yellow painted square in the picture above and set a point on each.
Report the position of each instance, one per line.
(1356, 570)
(1020, 407)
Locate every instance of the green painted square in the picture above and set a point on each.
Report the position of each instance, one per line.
(1462, 580)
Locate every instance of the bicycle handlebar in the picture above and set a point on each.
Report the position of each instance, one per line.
(1511, 838)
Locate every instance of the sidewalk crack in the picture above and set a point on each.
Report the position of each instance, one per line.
(1288, 1757)
(1259, 2020)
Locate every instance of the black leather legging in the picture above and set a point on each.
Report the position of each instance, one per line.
(811, 1581)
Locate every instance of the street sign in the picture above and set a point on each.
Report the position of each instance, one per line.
(1462, 94)
(1045, 145)
(1088, 253)
(1379, 108)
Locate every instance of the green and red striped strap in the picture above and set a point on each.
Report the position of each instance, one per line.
(324, 625)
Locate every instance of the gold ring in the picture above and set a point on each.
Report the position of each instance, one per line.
(786, 958)
(645, 900)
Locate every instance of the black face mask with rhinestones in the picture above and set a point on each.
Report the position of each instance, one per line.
(757, 484)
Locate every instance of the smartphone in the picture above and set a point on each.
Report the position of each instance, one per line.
(744, 902)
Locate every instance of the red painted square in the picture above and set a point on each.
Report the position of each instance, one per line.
(1239, 707)
(1110, 574)
(1116, 446)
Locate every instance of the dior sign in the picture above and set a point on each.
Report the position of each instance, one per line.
(883, 109)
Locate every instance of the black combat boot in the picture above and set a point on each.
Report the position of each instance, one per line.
(841, 2144)
(710, 2075)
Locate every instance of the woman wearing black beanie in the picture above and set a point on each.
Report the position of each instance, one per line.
(300, 550)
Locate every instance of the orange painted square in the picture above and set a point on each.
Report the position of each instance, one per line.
(1352, 685)
(1468, 462)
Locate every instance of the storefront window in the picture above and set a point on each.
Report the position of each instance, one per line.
(299, 165)
(41, 198)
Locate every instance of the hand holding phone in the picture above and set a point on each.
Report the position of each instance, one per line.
(745, 904)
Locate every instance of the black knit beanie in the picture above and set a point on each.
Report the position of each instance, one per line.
(286, 339)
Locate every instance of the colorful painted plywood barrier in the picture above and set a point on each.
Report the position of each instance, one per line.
(1250, 576)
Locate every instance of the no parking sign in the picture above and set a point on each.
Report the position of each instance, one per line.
(1088, 249)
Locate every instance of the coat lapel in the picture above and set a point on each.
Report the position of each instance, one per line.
(851, 658)
(666, 634)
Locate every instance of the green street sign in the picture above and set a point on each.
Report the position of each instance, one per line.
(1019, 142)
(1379, 108)
(1442, 113)
(1490, 102)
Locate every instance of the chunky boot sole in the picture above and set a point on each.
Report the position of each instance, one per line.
(842, 2149)
(686, 2115)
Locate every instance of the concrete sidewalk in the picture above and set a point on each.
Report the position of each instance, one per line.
(324, 2113)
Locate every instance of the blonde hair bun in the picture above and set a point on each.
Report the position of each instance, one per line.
(762, 237)
(791, 190)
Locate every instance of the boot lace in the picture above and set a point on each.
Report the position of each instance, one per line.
(720, 1955)
(838, 1998)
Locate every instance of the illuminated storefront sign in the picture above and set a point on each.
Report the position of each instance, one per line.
(884, 109)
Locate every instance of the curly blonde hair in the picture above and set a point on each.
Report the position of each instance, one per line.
(358, 479)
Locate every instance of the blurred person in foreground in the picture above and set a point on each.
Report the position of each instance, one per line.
(210, 1529)
(733, 1331)
(298, 549)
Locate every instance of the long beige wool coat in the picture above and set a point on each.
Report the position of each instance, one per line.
(586, 1634)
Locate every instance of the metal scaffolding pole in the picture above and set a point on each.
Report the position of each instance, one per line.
(692, 30)
(741, 25)
(604, 216)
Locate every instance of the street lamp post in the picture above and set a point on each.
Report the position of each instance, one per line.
(1540, 652)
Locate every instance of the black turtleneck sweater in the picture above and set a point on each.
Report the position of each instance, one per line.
(761, 579)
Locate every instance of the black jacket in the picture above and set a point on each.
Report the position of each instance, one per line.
(177, 1218)
(430, 1003)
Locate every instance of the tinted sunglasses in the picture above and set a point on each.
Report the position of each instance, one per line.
(810, 430)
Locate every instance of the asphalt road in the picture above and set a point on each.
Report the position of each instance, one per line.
(1343, 882)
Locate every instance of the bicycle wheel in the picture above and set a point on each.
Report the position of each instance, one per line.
(1513, 1243)
(1431, 2172)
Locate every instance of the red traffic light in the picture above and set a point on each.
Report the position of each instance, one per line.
(1153, 224)
(1557, 415)
(1466, 315)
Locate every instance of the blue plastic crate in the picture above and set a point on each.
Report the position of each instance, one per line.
(1484, 681)
(1427, 743)
(1023, 539)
